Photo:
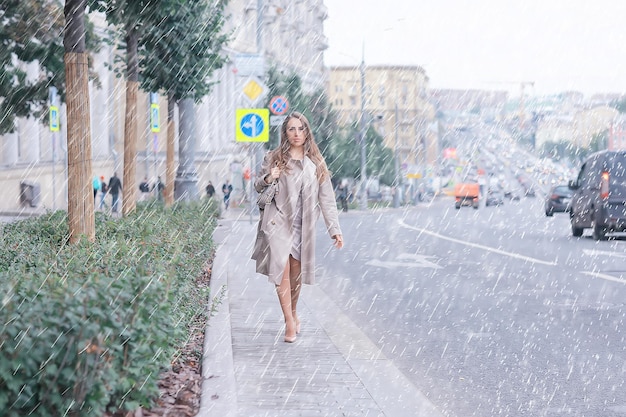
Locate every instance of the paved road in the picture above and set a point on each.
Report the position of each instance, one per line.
(496, 311)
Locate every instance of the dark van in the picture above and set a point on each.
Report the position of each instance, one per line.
(599, 200)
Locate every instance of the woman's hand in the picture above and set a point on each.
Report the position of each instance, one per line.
(273, 175)
(338, 241)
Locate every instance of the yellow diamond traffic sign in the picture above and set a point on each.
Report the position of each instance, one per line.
(253, 89)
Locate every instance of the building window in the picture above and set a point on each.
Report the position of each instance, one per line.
(353, 101)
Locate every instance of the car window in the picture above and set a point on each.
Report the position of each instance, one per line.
(562, 189)
(583, 177)
(617, 168)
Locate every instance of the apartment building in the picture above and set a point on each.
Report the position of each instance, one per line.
(287, 34)
(396, 103)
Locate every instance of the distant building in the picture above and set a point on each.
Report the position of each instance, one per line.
(472, 101)
(396, 102)
(605, 99)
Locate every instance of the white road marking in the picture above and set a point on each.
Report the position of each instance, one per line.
(605, 276)
(594, 252)
(478, 246)
(395, 264)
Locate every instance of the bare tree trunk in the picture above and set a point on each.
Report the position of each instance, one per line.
(170, 166)
(129, 196)
(80, 207)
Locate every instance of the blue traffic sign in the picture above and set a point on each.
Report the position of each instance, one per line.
(252, 125)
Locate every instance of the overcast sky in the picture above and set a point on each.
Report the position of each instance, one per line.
(560, 45)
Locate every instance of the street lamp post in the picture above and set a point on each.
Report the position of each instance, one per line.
(396, 163)
(363, 131)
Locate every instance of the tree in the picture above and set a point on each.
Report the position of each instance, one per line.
(129, 19)
(315, 108)
(619, 105)
(178, 56)
(80, 208)
(325, 120)
(338, 146)
(290, 87)
(599, 141)
(24, 42)
(379, 158)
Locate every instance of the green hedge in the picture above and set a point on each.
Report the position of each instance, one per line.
(87, 328)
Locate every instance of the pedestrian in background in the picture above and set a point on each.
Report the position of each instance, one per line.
(285, 243)
(343, 197)
(115, 186)
(227, 189)
(103, 192)
(160, 187)
(144, 188)
(210, 190)
(96, 187)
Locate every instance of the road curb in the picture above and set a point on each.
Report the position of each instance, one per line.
(219, 389)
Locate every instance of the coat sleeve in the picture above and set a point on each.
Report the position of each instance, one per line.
(328, 205)
(259, 183)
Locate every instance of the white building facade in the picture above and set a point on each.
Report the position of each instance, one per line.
(287, 34)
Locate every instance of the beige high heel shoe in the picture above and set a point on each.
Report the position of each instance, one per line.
(290, 339)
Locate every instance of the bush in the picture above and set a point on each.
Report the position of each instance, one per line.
(87, 328)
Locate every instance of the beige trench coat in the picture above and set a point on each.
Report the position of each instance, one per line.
(274, 235)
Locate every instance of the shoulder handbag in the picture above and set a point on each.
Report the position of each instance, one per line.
(267, 195)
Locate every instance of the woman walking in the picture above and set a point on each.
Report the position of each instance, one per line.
(285, 245)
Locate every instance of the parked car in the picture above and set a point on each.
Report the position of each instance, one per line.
(494, 198)
(558, 200)
(599, 200)
(530, 192)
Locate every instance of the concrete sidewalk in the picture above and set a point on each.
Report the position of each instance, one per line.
(332, 369)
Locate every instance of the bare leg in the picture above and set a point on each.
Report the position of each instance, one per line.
(284, 296)
(295, 279)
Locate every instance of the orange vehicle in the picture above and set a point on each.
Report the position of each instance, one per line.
(466, 194)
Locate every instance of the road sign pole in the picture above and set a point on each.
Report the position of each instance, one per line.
(155, 127)
(54, 125)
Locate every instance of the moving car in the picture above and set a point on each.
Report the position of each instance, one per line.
(494, 198)
(466, 194)
(530, 192)
(599, 200)
(558, 200)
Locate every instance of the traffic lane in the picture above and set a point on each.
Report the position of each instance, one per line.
(447, 329)
(522, 229)
(374, 236)
(436, 321)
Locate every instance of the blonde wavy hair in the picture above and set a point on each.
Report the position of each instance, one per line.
(280, 156)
